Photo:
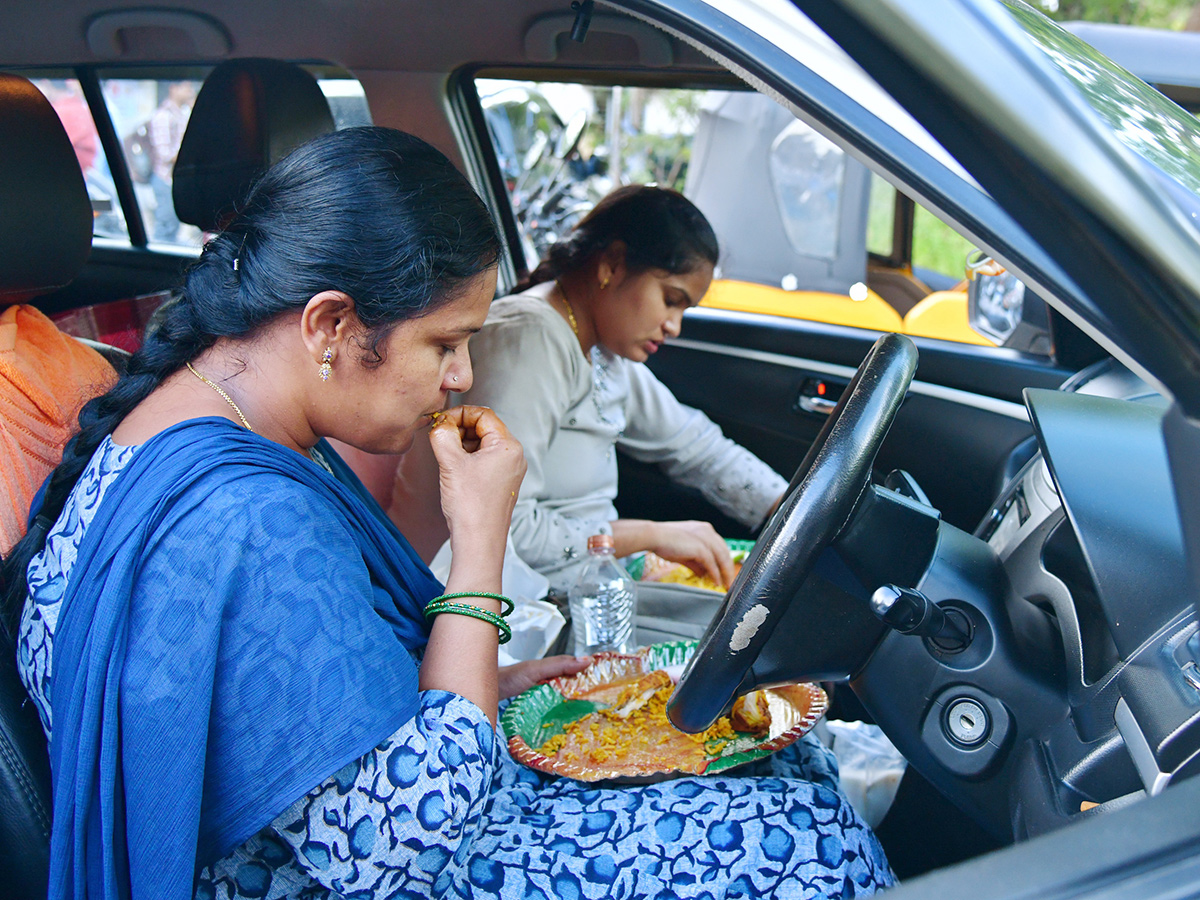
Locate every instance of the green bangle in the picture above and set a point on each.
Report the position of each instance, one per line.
(463, 595)
(465, 609)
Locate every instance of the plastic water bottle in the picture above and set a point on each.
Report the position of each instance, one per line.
(602, 601)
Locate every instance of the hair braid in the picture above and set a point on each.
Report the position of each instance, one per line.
(173, 343)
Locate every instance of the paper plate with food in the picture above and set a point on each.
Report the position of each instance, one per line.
(650, 567)
(609, 721)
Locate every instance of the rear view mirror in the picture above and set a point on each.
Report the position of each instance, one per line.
(1003, 310)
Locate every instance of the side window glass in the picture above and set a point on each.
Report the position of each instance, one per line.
(549, 164)
(881, 219)
(806, 231)
(150, 116)
(66, 96)
(939, 252)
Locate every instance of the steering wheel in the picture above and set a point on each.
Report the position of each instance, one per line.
(820, 500)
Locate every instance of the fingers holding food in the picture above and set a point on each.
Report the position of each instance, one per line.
(697, 546)
(480, 468)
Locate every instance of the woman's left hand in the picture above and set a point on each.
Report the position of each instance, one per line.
(522, 676)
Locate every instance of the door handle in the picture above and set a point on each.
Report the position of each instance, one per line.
(820, 405)
(819, 395)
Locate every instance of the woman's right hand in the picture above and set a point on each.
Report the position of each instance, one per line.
(694, 544)
(480, 467)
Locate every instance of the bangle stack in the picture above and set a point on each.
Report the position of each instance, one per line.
(445, 604)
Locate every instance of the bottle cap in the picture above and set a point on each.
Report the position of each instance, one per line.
(600, 540)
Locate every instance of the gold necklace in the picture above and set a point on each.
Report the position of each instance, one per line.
(567, 304)
(219, 390)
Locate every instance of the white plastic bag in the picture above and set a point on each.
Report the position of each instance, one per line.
(535, 623)
(870, 767)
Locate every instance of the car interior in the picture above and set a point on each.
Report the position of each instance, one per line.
(48, 199)
(963, 456)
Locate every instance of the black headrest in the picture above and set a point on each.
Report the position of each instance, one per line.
(249, 114)
(45, 214)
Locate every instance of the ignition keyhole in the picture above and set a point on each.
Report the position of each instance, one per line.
(967, 722)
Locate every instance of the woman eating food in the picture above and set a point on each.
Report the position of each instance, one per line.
(250, 683)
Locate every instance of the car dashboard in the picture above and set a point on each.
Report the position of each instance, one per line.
(1078, 691)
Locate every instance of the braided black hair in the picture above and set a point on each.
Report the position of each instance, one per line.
(661, 229)
(373, 212)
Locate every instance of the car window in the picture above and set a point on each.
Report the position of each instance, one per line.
(1139, 116)
(149, 110)
(150, 116)
(67, 98)
(805, 230)
(939, 253)
(881, 219)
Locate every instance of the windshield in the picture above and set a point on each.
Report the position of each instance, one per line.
(1141, 117)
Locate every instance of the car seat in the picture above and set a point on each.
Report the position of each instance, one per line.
(249, 114)
(45, 238)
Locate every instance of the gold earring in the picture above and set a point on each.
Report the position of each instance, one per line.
(604, 283)
(325, 369)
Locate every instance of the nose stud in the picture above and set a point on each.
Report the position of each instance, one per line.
(454, 379)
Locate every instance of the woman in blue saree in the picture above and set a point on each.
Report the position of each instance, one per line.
(229, 644)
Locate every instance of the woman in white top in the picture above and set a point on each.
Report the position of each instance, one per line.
(561, 363)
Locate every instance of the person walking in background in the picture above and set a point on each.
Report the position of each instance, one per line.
(166, 129)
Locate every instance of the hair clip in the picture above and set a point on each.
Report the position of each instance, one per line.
(237, 257)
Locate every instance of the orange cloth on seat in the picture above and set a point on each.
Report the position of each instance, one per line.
(45, 378)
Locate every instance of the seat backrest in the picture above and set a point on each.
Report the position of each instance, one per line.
(25, 796)
(46, 229)
(45, 238)
(249, 114)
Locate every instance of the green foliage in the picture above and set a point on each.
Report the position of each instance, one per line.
(937, 246)
(659, 155)
(1149, 13)
(881, 217)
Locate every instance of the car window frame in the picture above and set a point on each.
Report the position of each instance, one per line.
(753, 59)
(90, 77)
(482, 161)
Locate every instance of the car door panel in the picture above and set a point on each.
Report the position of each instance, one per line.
(960, 424)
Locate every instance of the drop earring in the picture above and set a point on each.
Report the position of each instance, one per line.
(325, 369)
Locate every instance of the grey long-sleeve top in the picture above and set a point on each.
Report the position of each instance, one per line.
(570, 416)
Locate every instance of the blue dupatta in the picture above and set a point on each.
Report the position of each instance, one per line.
(235, 629)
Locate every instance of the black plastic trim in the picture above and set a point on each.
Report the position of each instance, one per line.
(988, 371)
(1148, 849)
